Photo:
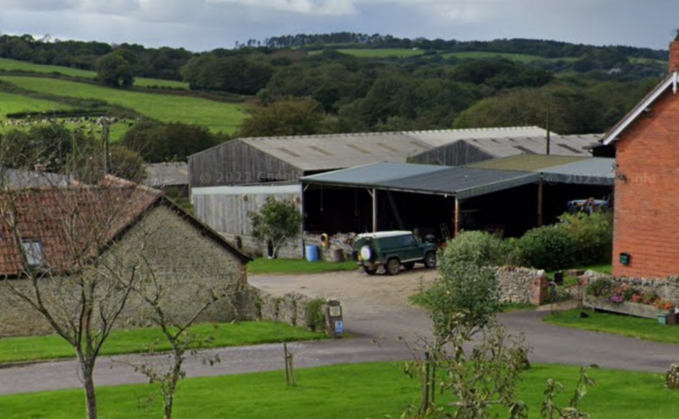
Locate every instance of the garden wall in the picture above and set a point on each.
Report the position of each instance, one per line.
(522, 285)
(667, 289)
(294, 309)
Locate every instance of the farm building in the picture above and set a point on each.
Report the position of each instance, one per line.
(646, 237)
(508, 195)
(474, 149)
(62, 228)
(285, 159)
(171, 177)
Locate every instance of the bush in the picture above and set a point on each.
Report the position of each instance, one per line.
(600, 288)
(550, 248)
(479, 248)
(593, 235)
(315, 316)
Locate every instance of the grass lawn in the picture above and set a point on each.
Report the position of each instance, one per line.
(14, 65)
(12, 103)
(218, 116)
(645, 329)
(340, 392)
(296, 266)
(137, 340)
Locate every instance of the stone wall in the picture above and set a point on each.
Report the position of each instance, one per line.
(522, 285)
(188, 266)
(294, 309)
(667, 289)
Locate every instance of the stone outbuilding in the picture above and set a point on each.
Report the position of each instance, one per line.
(58, 231)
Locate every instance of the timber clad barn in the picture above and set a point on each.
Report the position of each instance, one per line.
(646, 240)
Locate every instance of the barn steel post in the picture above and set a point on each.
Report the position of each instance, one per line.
(457, 216)
(374, 196)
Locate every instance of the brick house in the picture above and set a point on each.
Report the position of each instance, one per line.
(111, 224)
(646, 237)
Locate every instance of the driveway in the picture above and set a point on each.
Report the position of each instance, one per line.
(377, 312)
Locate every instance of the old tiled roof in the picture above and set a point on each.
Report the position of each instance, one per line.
(72, 224)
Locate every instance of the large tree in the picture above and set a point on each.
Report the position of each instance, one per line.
(114, 70)
(285, 117)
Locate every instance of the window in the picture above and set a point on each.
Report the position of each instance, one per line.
(35, 254)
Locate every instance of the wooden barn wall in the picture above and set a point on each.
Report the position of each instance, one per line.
(229, 213)
(456, 154)
(237, 163)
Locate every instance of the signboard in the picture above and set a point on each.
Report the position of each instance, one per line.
(335, 311)
(339, 327)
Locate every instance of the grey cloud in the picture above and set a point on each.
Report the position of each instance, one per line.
(206, 24)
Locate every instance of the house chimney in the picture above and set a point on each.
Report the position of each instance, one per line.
(674, 54)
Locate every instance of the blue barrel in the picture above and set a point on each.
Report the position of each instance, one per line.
(312, 253)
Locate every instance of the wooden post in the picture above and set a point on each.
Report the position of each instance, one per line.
(457, 217)
(540, 199)
(374, 195)
(287, 364)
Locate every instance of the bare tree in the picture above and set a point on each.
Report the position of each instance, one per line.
(175, 324)
(57, 260)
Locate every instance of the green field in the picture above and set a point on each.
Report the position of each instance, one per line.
(11, 103)
(516, 57)
(218, 116)
(341, 392)
(13, 65)
(138, 340)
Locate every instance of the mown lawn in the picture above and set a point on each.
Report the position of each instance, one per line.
(340, 392)
(645, 329)
(138, 340)
(218, 116)
(14, 65)
(297, 266)
(12, 103)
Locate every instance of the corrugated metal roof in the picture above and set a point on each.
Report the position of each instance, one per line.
(167, 174)
(337, 151)
(463, 182)
(374, 174)
(526, 162)
(594, 171)
(561, 145)
(438, 138)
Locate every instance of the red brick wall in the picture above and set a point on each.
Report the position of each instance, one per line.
(674, 56)
(647, 202)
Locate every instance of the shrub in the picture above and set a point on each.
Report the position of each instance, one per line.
(600, 288)
(479, 248)
(593, 235)
(315, 317)
(548, 248)
(466, 295)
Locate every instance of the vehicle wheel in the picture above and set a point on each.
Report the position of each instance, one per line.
(369, 271)
(409, 265)
(393, 267)
(430, 260)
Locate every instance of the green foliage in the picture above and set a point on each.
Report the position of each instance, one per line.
(479, 248)
(235, 74)
(114, 70)
(157, 142)
(548, 248)
(600, 288)
(126, 164)
(285, 117)
(593, 235)
(276, 222)
(315, 317)
(466, 296)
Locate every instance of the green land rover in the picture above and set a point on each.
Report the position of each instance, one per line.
(392, 249)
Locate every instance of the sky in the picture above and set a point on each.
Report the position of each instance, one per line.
(200, 25)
